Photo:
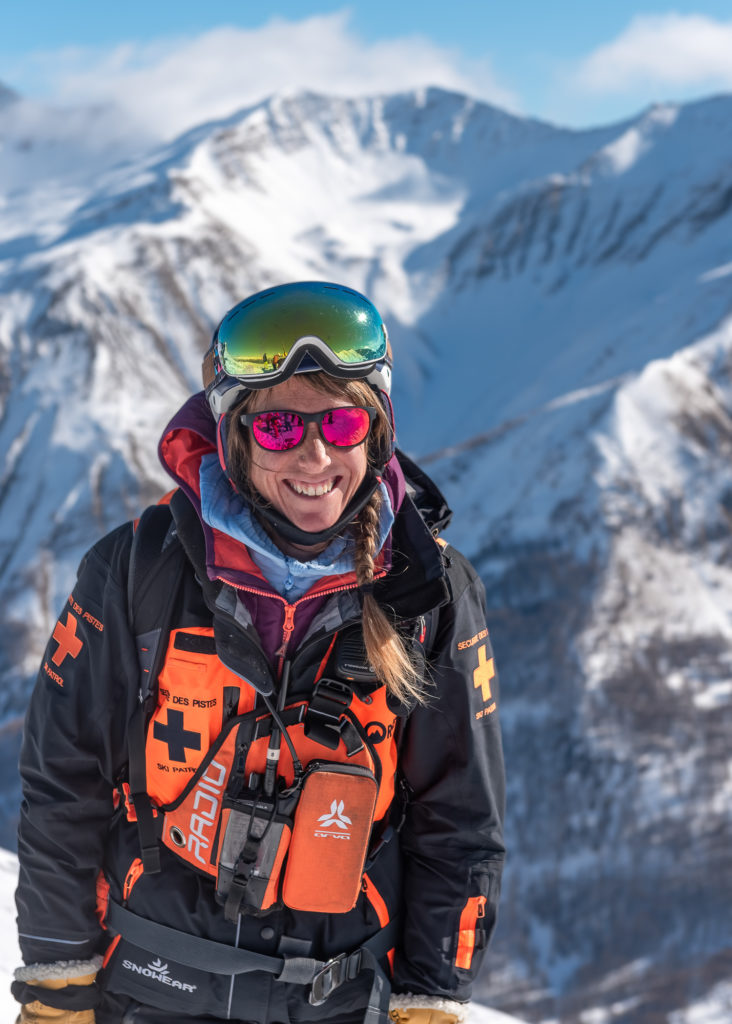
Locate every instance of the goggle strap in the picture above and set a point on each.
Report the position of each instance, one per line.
(208, 368)
(389, 410)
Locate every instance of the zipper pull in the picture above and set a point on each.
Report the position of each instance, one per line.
(287, 627)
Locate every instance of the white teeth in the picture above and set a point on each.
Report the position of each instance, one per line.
(311, 491)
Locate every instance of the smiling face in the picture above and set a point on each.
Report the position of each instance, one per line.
(313, 483)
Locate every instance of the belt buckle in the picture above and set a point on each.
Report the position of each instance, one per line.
(328, 978)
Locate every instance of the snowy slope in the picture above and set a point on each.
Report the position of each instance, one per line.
(9, 953)
(561, 307)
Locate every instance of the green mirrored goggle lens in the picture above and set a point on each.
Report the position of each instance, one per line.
(257, 336)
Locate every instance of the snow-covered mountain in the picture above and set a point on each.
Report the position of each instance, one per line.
(561, 309)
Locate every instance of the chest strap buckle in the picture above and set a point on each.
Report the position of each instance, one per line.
(330, 699)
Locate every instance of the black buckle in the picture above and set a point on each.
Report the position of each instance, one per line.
(327, 980)
(330, 699)
(341, 968)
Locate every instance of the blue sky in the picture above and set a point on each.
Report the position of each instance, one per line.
(170, 63)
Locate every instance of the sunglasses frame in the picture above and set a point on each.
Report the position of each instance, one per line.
(247, 419)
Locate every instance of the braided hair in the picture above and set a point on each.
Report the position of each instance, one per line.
(384, 647)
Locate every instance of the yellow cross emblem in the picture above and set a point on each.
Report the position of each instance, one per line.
(484, 673)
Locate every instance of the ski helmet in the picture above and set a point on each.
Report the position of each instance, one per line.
(296, 328)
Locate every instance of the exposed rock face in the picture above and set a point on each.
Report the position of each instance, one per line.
(561, 309)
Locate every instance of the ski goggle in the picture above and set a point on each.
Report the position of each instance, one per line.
(264, 339)
(279, 430)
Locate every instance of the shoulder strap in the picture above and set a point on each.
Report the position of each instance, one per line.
(151, 532)
(157, 562)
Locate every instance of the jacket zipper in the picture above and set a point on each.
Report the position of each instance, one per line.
(287, 629)
(288, 625)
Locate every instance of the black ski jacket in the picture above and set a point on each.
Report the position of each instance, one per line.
(440, 875)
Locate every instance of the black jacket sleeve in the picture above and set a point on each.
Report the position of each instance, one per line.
(452, 839)
(73, 749)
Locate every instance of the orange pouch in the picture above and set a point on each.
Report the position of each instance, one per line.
(330, 838)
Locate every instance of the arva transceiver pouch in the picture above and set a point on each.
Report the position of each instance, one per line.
(330, 838)
(255, 839)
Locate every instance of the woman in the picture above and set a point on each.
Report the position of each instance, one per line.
(262, 765)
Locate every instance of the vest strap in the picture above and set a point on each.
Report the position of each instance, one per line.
(189, 950)
(324, 977)
(148, 549)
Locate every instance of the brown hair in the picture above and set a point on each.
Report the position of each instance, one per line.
(385, 648)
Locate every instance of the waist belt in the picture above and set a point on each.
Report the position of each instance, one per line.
(323, 976)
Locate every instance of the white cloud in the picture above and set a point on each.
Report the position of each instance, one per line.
(668, 51)
(171, 85)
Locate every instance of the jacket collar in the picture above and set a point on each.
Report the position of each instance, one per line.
(417, 582)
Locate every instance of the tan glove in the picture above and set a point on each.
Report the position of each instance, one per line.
(413, 1008)
(422, 1015)
(37, 1012)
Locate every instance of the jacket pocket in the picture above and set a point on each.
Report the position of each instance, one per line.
(468, 931)
(477, 917)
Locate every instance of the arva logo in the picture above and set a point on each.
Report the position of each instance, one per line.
(156, 970)
(334, 819)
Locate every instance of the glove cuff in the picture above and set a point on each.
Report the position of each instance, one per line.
(408, 1000)
(80, 972)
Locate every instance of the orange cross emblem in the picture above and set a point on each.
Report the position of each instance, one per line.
(484, 673)
(67, 640)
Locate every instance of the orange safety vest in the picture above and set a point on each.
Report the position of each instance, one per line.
(194, 747)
